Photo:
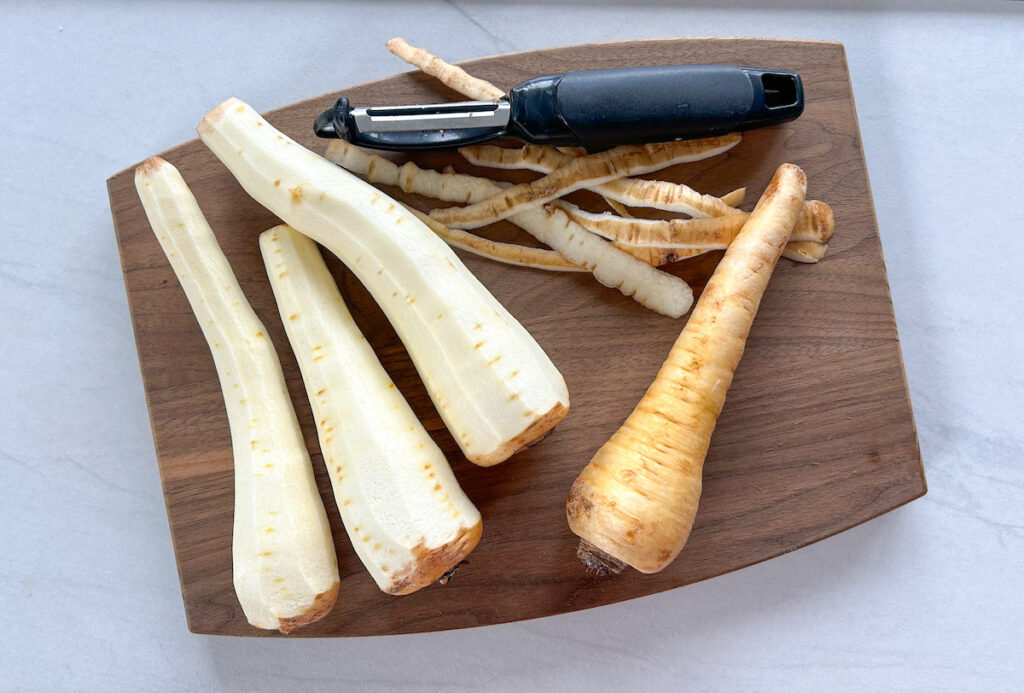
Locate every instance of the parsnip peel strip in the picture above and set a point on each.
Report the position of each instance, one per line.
(808, 252)
(815, 223)
(584, 172)
(635, 192)
(453, 77)
(650, 287)
(507, 253)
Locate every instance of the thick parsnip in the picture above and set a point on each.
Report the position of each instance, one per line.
(636, 501)
(404, 512)
(283, 562)
(656, 290)
(493, 385)
(584, 172)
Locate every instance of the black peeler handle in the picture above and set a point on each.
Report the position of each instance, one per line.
(598, 109)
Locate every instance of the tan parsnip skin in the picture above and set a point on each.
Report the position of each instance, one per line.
(637, 499)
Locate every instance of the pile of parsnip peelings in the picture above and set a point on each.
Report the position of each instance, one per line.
(495, 388)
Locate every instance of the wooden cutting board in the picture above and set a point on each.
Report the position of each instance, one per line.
(817, 434)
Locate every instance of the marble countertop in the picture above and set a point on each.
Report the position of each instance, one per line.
(930, 596)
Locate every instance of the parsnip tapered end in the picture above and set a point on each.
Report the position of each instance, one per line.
(321, 606)
(530, 435)
(432, 564)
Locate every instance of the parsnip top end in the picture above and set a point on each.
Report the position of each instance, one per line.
(210, 119)
(149, 167)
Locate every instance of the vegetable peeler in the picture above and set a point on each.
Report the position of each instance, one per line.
(595, 109)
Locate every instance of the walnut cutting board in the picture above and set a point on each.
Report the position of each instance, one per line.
(817, 433)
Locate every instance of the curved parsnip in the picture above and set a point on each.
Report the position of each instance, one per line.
(283, 561)
(406, 515)
(636, 501)
(493, 385)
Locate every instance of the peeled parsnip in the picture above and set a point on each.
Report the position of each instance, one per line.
(493, 385)
(636, 501)
(283, 561)
(406, 515)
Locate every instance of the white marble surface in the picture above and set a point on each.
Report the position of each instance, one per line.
(927, 597)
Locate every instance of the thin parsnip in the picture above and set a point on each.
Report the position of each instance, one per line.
(635, 502)
(283, 564)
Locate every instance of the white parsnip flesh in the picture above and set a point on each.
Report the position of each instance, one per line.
(404, 512)
(283, 561)
(493, 385)
(611, 266)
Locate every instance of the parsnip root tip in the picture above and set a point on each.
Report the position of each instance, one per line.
(450, 575)
(596, 562)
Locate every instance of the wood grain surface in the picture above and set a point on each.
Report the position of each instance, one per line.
(817, 433)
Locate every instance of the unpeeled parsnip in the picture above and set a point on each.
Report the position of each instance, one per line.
(636, 500)
(493, 385)
(404, 512)
(283, 562)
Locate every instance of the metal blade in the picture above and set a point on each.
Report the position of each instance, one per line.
(443, 116)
